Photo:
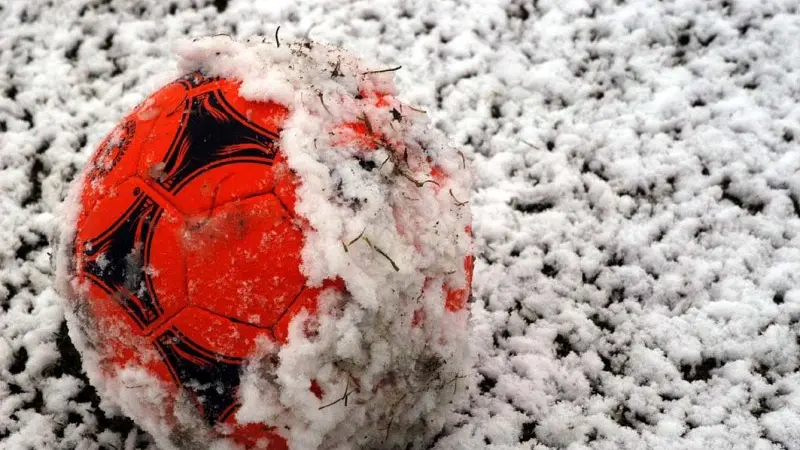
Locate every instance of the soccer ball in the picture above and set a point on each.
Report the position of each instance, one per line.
(187, 250)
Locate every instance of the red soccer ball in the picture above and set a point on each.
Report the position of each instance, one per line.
(188, 247)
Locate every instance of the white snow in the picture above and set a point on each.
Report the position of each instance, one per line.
(636, 205)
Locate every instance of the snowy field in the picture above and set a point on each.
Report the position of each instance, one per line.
(636, 205)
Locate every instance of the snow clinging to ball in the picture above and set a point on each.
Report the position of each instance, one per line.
(273, 251)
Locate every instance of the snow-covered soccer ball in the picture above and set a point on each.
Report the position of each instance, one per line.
(272, 250)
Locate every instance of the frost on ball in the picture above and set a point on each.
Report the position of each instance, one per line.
(273, 251)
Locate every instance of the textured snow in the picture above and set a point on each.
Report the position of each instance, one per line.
(636, 207)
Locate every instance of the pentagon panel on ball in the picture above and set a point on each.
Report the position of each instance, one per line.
(243, 268)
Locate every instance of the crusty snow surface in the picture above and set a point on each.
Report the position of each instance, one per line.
(636, 206)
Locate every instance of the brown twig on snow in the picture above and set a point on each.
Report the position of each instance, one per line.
(336, 72)
(391, 419)
(343, 397)
(418, 183)
(458, 203)
(277, 41)
(372, 246)
(319, 94)
(396, 160)
(384, 162)
(354, 240)
(391, 261)
(383, 70)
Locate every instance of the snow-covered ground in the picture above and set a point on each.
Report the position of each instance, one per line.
(636, 207)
